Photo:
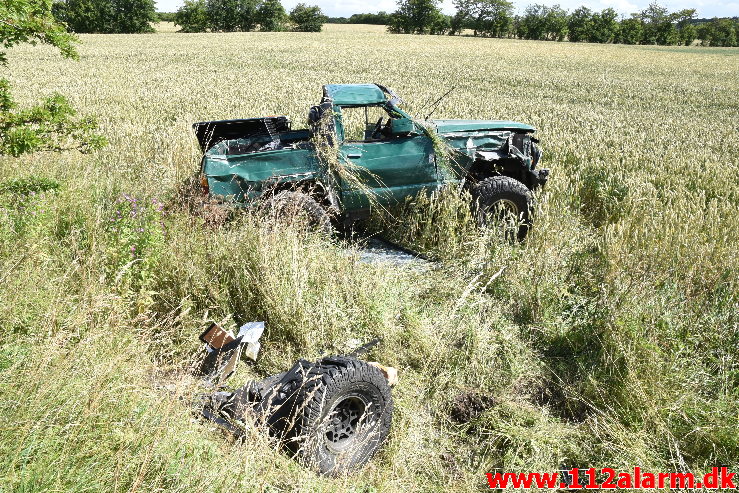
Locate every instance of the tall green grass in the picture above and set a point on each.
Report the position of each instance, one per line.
(608, 338)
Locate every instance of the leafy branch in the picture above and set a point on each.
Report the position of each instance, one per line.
(52, 125)
(31, 21)
(49, 126)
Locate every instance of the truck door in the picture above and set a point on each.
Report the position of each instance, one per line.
(390, 168)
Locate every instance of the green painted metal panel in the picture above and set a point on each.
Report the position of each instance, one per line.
(396, 168)
(354, 94)
(232, 176)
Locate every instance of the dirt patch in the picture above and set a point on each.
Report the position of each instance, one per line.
(451, 464)
(470, 404)
(190, 197)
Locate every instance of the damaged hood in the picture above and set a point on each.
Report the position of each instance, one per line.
(488, 140)
(453, 126)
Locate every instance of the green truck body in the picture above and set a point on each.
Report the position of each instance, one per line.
(244, 160)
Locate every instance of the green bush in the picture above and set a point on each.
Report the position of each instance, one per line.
(307, 19)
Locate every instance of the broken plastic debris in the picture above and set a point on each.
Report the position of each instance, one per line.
(252, 350)
(391, 374)
(251, 331)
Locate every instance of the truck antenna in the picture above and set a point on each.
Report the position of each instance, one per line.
(435, 105)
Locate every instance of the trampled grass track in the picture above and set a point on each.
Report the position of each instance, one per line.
(609, 339)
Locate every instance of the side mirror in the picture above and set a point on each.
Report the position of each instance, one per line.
(401, 126)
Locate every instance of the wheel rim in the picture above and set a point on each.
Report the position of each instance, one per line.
(504, 213)
(505, 208)
(345, 422)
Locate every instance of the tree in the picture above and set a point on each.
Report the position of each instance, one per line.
(556, 23)
(134, 16)
(107, 16)
(192, 17)
(542, 22)
(417, 17)
(247, 14)
(484, 17)
(631, 30)
(686, 32)
(223, 15)
(658, 26)
(50, 125)
(580, 24)
(604, 27)
(719, 32)
(533, 25)
(381, 18)
(85, 16)
(271, 16)
(440, 23)
(241, 15)
(307, 19)
(457, 22)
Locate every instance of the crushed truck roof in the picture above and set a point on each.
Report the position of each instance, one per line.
(350, 94)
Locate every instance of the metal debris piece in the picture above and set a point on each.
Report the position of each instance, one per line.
(223, 350)
(390, 373)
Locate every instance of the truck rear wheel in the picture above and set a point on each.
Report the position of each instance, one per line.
(505, 201)
(300, 207)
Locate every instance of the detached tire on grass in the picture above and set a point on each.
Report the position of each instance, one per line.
(506, 201)
(300, 207)
(344, 417)
(333, 414)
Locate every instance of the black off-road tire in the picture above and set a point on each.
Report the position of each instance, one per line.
(289, 206)
(504, 199)
(344, 416)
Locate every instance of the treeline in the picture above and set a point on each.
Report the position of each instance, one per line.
(136, 16)
(719, 32)
(165, 16)
(247, 15)
(493, 18)
(379, 19)
(106, 16)
(496, 18)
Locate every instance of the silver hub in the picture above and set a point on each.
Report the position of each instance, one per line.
(505, 209)
(344, 422)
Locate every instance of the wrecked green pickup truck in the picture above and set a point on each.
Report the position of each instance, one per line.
(391, 156)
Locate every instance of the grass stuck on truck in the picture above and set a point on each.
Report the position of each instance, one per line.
(362, 150)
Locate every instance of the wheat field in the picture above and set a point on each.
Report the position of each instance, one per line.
(609, 338)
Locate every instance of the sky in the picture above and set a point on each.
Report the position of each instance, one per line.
(335, 8)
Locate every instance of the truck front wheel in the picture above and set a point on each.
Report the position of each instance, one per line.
(502, 200)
